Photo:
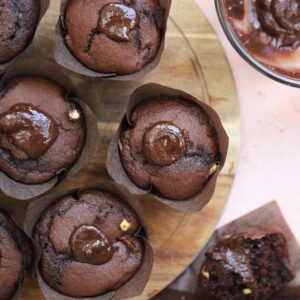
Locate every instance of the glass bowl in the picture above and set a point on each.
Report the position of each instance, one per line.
(281, 76)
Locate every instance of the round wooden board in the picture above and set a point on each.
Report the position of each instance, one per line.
(193, 61)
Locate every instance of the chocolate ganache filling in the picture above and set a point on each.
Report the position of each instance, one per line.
(117, 20)
(90, 245)
(234, 257)
(163, 143)
(26, 131)
(281, 20)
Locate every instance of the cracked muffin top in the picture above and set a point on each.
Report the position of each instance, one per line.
(171, 147)
(113, 36)
(89, 243)
(41, 131)
(18, 22)
(15, 256)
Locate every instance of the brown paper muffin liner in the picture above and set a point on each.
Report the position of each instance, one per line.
(52, 72)
(17, 294)
(118, 173)
(268, 215)
(64, 57)
(44, 5)
(31, 271)
(135, 286)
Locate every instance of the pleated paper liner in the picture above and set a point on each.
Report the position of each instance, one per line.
(187, 284)
(136, 284)
(52, 72)
(44, 5)
(118, 173)
(64, 57)
(30, 272)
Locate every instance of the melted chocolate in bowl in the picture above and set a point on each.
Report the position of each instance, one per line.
(269, 30)
(26, 131)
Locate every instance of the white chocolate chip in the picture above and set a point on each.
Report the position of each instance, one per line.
(125, 225)
(74, 114)
(247, 291)
(213, 169)
(228, 236)
(205, 273)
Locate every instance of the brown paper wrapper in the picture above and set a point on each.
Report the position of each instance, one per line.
(44, 5)
(188, 283)
(115, 167)
(18, 291)
(64, 57)
(52, 72)
(135, 286)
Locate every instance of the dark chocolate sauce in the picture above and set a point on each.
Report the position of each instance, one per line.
(27, 131)
(117, 20)
(90, 245)
(236, 9)
(269, 30)
(234, 255)
(163, 143)
(281, 20)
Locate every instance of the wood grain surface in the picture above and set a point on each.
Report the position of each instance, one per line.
(193, 61)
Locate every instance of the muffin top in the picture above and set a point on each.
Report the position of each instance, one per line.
(15, 256)
(88, 244)
(114, 36)
(41, 132)
(250, 265)
(171, 147)
(18, 19)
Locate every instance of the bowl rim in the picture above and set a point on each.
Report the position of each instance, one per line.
(245, 54)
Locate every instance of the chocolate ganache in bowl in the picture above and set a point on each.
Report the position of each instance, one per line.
(266, 33)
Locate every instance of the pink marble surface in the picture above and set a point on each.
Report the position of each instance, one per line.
(269, 159)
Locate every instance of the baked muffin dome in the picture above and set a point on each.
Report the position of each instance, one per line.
(18, 19)
(15, 256)
(114, 36)
(41, 132)
(251, 265)
(88, 244)
(171, 147)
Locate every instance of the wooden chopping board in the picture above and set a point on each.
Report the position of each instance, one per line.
(193, 61)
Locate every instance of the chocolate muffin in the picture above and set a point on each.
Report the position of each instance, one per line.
(171, 147)
(16, 255)
(18, 19)
(251, 265)
(114, 36)
(41, 132)
(89, 244)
